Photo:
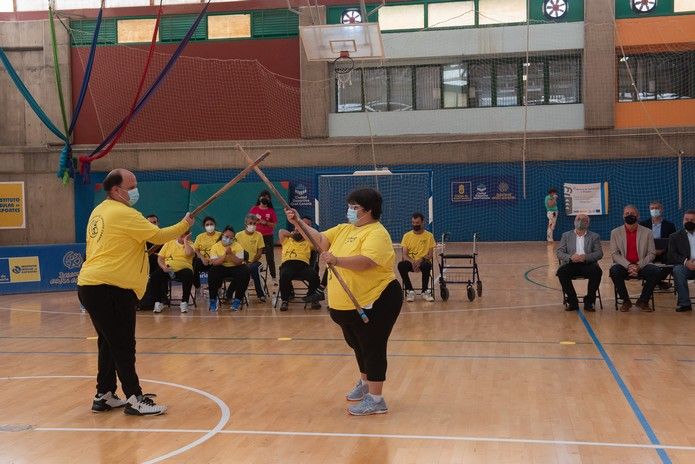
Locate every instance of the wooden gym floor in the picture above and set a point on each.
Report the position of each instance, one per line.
(508, 378)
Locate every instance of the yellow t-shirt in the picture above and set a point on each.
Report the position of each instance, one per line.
(293, 250)
(218, 250)
(418, 245)
(203, 243)
(175, 256)
(116, 236)
(251, 243)
(372, 241)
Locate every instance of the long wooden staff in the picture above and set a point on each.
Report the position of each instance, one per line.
(303, 226)
(253, 165)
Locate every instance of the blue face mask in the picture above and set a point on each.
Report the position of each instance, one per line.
(133, 196)
(655, 213)
(351, 215)
(226, 241)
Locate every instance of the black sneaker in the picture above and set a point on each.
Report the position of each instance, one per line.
(285, 306)
(682, 309)
(315, 305)
(313, 297)
(589, 307)
(106, 402)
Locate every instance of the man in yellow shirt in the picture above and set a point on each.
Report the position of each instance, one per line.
(227, 260)
(252, 242)
(174, 262)
(296, 259)
(111, 281)
(203, 242)
(418, 248)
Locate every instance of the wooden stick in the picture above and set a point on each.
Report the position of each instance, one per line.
(253, 165)
(303, 226)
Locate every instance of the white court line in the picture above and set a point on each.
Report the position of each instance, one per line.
(286, 316)
(224, 409)
(381, 436)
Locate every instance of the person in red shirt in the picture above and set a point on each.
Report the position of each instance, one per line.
(632, 249)
(267, 219)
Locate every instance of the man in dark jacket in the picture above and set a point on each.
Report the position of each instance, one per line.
(681, 253)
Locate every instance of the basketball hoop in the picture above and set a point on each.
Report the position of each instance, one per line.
(343, 66)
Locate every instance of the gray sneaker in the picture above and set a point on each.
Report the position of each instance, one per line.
(368, 406)
(358, 392)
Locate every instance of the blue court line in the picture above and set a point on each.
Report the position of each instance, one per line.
(665, 459)
(229, 353)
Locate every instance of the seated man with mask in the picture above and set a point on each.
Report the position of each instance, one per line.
(253, 244)
(418, 249)
(296, 259)
(579, 253)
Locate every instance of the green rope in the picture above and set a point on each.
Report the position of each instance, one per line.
(57, 73)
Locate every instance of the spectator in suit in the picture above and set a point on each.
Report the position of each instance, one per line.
(661, 228)
(681, 253)
(579, 252)
(632, 249)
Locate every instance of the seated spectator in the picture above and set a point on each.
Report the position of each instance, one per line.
(227, 261)
(174, 261)
(661, 229)
(681, 253)
(295, 265)
(203, 242)
(632, 249)
(579, 253)
(418, 248)
(253, 244)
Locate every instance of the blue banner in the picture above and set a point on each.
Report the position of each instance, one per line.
(483, 190)
(40, 268)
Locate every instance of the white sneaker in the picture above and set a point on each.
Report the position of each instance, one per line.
(184, 307)
(158, 307)
(410, 295)
(427, 295)
(143, 405)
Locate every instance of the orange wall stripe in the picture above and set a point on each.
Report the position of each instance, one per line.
(671, 113)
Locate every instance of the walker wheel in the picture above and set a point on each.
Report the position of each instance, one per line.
(444, 292)
(470, 292)
(479, 288)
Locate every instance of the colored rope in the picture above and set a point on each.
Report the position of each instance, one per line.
(56, 69)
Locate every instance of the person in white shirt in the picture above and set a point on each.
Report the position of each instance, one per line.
(579, 253)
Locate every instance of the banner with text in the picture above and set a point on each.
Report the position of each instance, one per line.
(12, 205)
(591, 199)
(483, 190)
(40, 268)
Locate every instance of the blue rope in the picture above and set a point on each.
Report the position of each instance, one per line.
(29, 98)
(158, 81)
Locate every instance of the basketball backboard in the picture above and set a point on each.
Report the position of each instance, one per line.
(362, 41)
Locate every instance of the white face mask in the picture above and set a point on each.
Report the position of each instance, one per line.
(251, 228)
(226, 241)
(210, 228)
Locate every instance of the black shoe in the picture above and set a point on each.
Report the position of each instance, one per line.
(683, 309)
(284, 306)
(574, 307)
(589, 307)
(313, 297)
(315, 305)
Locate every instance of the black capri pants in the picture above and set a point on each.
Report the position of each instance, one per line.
(369, 340)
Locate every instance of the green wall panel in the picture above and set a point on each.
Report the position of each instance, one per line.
(623, 9)
(174, 28)
(83, 31)
(274, 23)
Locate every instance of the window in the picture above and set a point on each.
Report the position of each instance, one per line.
(397, 17)
(664, 76)
(480, 86)
(135, 30)
(450, 14)
(536, 83)
(501, 11)
(6, 6)
(455, 85)
(507, 84)
(349, 98)
(74, 4)
(229, 26)
(563, 81)
(32, 5)
(427, 88)
(375, 89)
(116, 3)
(400, 89)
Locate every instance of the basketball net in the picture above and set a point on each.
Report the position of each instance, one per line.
(342, 67)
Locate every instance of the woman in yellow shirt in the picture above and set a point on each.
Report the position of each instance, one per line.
(363, 254)
(175, 262)
(227, 261)
(203, 242)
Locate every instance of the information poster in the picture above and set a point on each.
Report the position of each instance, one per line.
(12, 205)
(591, 199)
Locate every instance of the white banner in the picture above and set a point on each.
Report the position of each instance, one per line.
(591, 199)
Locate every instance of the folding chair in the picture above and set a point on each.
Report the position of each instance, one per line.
(580, 299)
(170, 296)
(418, 290)
(618, 301)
